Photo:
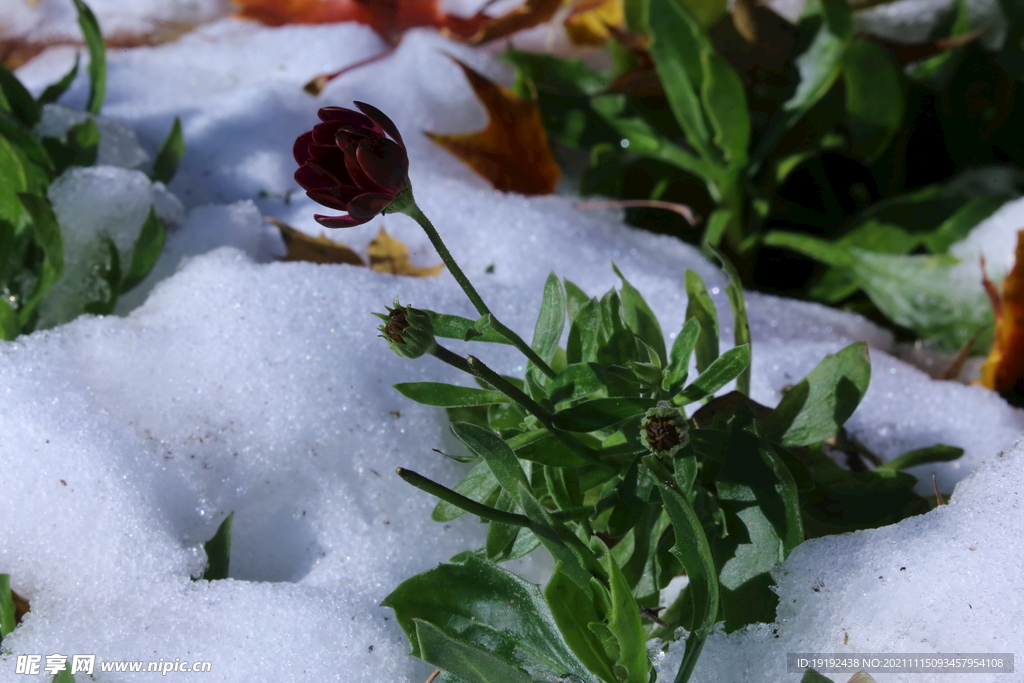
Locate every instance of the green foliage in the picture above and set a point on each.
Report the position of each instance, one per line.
(7, 623)
(586, 463)
(218, 551)
(31, 242)
(791, 135)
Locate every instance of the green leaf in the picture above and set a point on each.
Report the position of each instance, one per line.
(812, 676)
(10, 327)
(550, 323)
(875, 102)
(19, 100)
(741, 327)
(542, 447)
(600, 413)
(679, 357)
(146, 251)
(700, 307)
(572, 610)
(498, 455)
(624, 623)
(478, 485)
(963, 220)
(449, 326)
(677, 41)
(485, 606)
(821, 402)
(584, 334)
(577, 381)
(922, 456)
(15, 181)
(110, 272)
(575, 299)
(448, 395)
(725, 102)
(578, 561)
(694, 552)
(7, 622)
(170, 154)
(838, 18)
(64, 675)
(501, 537)
(468, 663)
(723, 370)
(912, 291)
(47, 235)
(639, 317)
(218, 551)
(53, 92)
(97, 57)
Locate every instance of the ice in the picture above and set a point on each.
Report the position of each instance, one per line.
(118, 145)
(261, 388)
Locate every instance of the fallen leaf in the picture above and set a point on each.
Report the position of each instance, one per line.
(389, 18)
(483, 28)
(389, 255)
(591, 21)
(320, 249)
(512, 151)
(21, 607)
(1003, 370)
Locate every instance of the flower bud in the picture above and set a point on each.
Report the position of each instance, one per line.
(664, 430)
(408, 330)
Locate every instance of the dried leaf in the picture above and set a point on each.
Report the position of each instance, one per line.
(387, 17)
(512, 151)
(591, 21)
(389, 255)
(1003, 370)
(482, 28)
(320, 249)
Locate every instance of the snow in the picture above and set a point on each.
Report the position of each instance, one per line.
(240, 384)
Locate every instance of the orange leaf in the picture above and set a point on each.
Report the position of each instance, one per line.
(388, 17)
(1003, 370)
(512, 151)
(388, 255)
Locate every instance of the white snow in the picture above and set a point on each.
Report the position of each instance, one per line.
(260, 388)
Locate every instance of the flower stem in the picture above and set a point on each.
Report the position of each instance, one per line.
(413, 211)
(460, 501)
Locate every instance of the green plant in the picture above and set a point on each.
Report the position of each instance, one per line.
(811, 149)
(31, 244)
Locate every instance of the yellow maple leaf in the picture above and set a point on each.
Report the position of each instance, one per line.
(1003, 370)
(389, 255)
(591, 21)
(512, 151)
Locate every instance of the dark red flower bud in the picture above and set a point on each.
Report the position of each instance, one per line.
(352, 162)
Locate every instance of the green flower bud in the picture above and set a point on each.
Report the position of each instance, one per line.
(664, 430)
(408, 330)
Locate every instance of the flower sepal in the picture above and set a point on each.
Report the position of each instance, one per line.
(408, 331)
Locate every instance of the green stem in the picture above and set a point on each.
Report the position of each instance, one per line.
(694, 645)
(460, 501)
(410, 209)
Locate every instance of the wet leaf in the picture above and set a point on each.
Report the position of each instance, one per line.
(389, 255)
(1003, 370)
(218, 551)
(512, 151)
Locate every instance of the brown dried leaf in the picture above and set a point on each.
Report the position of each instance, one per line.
(512, 151)
(389, 18)
(389, 255)
(320, 249)
(1003, 370)
(591, 21)
(482, 28)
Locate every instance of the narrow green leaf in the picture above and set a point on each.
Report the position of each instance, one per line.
(550, 323)
(584, 334)
(875, 102)
(448, 395)
(572, 610)
(578, 561)
(821, 402)
(700, 307)
(577, 381)
(47, 235)
(498, 455)
(478, 485)
(53, 92)
(170, 154)
(679, 357)
(740, 324)
(812, 676)
(460, 501)
(575, 299)
(723, 370)
(218, 551)
(19, 99)
(110, 272)
(97, 57)
(64, 675)
(449, 326)
(961, 222)
(725, 102)
(146, 251)
(501, 537)
(677, 41)
(838, 18)
(542, 447)
(469, 663)
(694, 552)
(600, 413)
(10, 327)
(639, 317)
(15, 181)
(922, 456)
(23, 139)
(624, 622)
(7, 622)
(83, 141)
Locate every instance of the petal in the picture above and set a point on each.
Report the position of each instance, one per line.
(382, 121)
(326, 199)
(347, 116)
(359, 177)
(385, 163)
(339, 221)
(323, 133)
(300, 150)
(312, 176)
(369, 205)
